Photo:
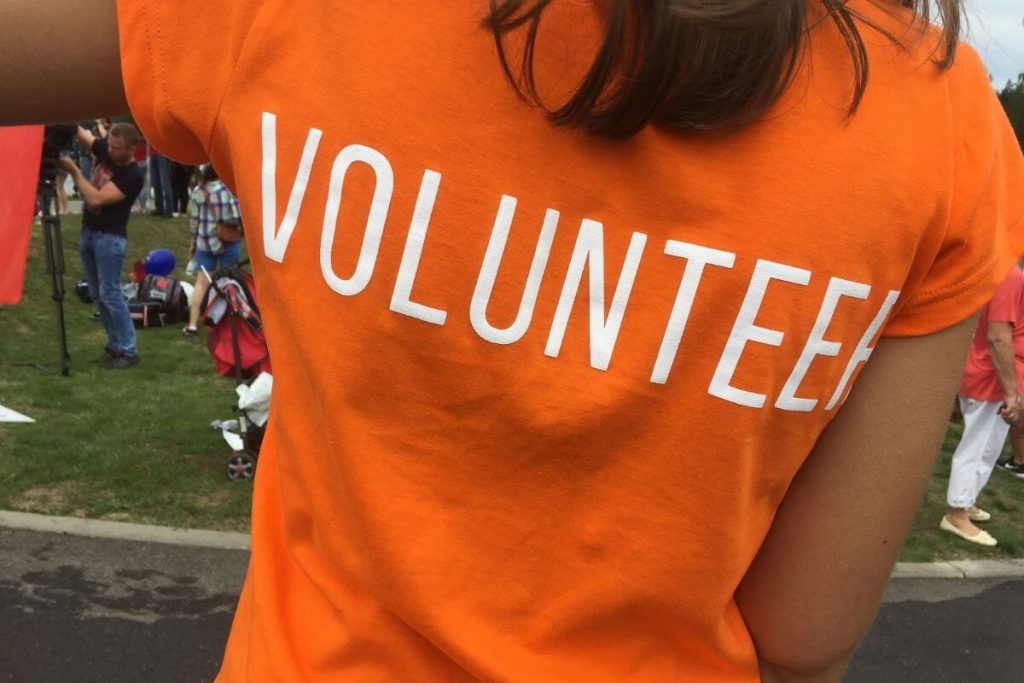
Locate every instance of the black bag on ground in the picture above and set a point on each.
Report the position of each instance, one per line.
(146, 314)
(168, 293)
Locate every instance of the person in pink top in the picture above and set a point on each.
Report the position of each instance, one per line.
(990, 401)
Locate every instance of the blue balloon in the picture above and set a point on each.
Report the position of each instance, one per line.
(159, 262)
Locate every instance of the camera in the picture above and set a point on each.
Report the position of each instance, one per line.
(57, 138)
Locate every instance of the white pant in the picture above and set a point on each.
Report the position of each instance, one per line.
(979, 449)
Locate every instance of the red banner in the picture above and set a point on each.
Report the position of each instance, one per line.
(20, 149)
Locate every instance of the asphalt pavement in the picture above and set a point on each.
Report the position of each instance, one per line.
(82, 610)
(945, 631)
(87, 610)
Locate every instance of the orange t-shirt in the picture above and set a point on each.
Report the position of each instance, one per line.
(980, 381)
(538, 395)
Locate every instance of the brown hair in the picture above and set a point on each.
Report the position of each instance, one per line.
(208, 174)
(126, 132)
(699, 64)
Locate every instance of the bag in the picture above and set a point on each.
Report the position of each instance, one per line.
(168, 294)
(146, 314)
(229, 233)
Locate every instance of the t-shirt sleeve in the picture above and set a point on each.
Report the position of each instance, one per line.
(130, 182)
(984, 226)
(229, 210)
(99, 150)
(1005, 304)
(177, 61)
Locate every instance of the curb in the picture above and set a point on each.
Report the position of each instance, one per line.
(122, 531)
(226, 540)
(966, 569)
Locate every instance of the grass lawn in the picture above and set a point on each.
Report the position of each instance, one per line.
(1003, 497)
(118, 445)
(135, 445)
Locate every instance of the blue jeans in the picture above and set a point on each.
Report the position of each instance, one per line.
(160, 179)
(103, 259)
(85, 163)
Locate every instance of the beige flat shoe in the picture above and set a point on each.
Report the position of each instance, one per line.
(979, 516)
(982, 538)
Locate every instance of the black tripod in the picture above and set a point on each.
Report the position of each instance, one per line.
(54, 244)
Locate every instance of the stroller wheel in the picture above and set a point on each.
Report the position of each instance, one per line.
(241, 466)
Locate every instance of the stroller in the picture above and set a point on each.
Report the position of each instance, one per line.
(239, 349)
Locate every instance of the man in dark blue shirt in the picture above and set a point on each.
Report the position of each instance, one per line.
(109, 193)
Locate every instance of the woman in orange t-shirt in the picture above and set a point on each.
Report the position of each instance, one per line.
(479, 467)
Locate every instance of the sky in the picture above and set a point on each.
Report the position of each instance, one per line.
(997, 31)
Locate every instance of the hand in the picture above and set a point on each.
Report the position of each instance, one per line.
(1012, 410)
(67, 164)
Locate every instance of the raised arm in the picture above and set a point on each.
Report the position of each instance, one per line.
(815, 586)
(59, 61)
(85, 137)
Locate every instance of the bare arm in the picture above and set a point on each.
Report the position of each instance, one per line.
(59, 61)
(86, 137)
(1000, 348)
(815, 586)
(193, 227)
(94, 198)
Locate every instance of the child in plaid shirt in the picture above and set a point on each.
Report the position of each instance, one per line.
(210, 205)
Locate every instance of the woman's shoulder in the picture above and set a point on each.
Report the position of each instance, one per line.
(914, 45)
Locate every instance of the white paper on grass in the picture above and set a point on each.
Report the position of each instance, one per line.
(8, 415)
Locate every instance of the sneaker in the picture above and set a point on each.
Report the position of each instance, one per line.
(107, 356)
(1008, 465)
(123, 362)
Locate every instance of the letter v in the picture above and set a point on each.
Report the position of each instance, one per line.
(275, 238)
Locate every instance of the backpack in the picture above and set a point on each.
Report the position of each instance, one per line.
(168, 293)
(146, 314)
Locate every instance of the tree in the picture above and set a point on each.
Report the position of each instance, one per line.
(1012, 98)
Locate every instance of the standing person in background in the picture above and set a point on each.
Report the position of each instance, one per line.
(62, 192)
(210, 205)
(990, 400)
(99, 128)
(160, 181)
(181, 179)
(108, 197)
(84, 157)
(142, 159)
(1015, 463)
